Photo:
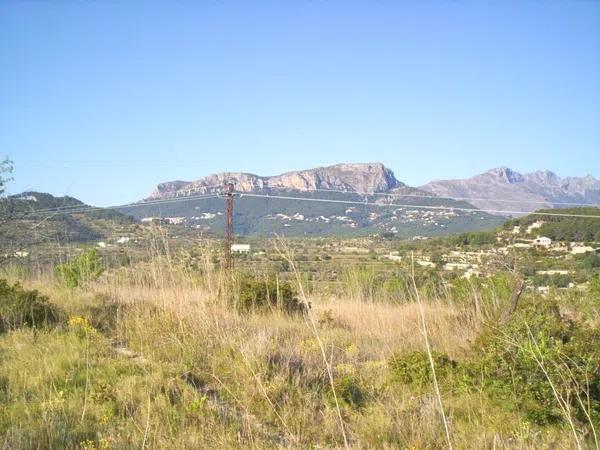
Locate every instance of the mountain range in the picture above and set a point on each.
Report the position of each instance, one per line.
(503, 189)
(364, 198)
(366, 178)
(356, 199)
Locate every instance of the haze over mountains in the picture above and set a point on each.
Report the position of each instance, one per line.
(363, 178)
(351, 199)
(504, 189)
(501, 189)
(338, 199)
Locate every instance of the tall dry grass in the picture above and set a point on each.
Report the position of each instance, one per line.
(270, 380)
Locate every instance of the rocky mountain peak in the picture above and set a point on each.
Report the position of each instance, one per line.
(505, 174)
(363, 178)
(503, 189)
(545, 177)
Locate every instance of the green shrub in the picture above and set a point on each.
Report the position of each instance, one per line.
(20, 308)
(415, 368)
(489, 295)
(535, 345)
(263, 294)
(475, 238)
(594, 288)
(348, 391)
(81, 269)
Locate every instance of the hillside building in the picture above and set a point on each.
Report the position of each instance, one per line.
(542, 241)
(240, 248)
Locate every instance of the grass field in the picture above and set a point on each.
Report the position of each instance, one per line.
(160, 355)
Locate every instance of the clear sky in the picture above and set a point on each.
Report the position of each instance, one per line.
(104, 99)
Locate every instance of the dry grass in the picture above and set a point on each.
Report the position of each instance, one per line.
(205, 376)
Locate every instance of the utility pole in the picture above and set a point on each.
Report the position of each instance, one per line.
(229, 227)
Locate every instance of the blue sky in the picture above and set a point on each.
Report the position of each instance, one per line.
(102, 100)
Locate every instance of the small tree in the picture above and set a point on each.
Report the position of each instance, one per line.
(81, 269)
(264, 294)
(6, 167)
(20, 308)
(7, 212)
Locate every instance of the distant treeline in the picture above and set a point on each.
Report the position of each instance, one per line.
(560, 228)
(27, 205)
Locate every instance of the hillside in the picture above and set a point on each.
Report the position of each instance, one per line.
(560, 228)
(33, 218)
(344, 199)
(346, 214)
(505, 189)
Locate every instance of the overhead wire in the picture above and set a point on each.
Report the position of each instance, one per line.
(457, 198)
(434, 196)
(73, 209)
(400, 205)
(86, 208)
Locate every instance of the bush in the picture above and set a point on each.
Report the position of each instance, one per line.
(536, 344)
(20, 308)
(348, 391)
(415, 368)
(256, 295)
(475, 238)
(81, 269)
(594, 288)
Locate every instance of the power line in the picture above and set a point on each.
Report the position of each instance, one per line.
(307, 199)
(86, 208)
(229, 227)
(135, 163)
(399, 205)
(433, 196)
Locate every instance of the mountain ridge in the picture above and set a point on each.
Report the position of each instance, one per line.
(502, 188)
(363, 178)
(337, 199)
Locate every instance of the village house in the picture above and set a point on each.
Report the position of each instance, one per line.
(554, 272)
(240, 248)
(175, 220)
(542, 241)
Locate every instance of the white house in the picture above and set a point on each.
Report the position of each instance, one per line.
(123, 240)
(542, 241)
(240, 248)
(175, 220)
(554, 272)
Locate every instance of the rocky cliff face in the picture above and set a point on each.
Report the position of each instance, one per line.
(362, 178)
(504, 189)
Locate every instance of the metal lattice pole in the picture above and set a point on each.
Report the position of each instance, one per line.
(229, 227)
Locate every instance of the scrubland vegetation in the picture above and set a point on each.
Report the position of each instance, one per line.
(162, 353)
